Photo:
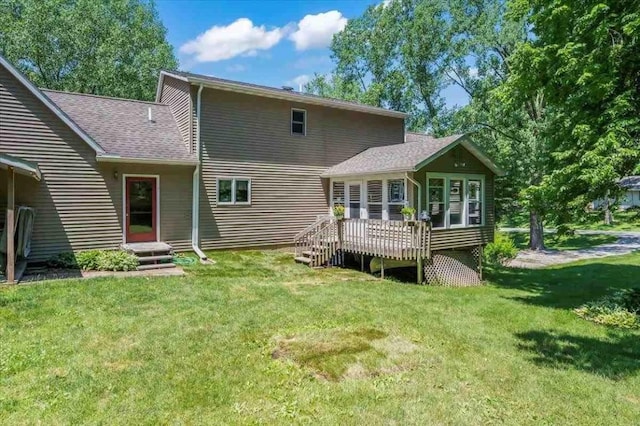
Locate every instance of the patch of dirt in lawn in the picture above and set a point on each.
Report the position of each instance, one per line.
(339, 354)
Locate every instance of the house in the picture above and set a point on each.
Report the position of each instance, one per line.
(215, 164)
(628, 199)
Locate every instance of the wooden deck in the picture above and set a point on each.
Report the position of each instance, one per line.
(319, 243)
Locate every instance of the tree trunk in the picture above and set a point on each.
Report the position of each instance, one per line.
(536, 231)
(608, 216)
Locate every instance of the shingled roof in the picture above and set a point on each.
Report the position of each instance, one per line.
(631, 183)
(274, 92)
(418, 150)
(122, 127)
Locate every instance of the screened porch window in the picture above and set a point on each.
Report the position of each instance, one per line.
(337, 191)
(455, 200)
(395, 190)
(374, 199)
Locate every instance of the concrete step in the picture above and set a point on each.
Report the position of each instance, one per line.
(304, 260)
(155, 266)
(145, 259)
(310, 253)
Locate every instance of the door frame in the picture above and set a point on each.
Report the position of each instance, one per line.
(124, 203)
(347, 197)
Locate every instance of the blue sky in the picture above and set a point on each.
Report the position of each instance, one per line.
(270, 42)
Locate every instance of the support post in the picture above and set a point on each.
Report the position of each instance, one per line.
(340, 225)
(480, 252)
(361, 262)
(420, 269)
(11, 255)
(382, 268)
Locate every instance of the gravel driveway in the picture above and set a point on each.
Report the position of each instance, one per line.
(627, 242)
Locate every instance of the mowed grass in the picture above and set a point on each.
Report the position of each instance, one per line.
(256, 338)
(563, 242)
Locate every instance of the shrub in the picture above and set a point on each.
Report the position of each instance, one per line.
(65, 260)
(116, 260)
(338, 210)
(621, 309)
(88, 260)
(500, 250)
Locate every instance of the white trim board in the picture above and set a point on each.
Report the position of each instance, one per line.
(51, 105)
(124, 203)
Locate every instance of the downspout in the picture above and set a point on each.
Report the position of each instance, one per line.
(417, 184)
(195, 209)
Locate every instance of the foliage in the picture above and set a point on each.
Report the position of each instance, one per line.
(116, 260)
(199, 348)
(584, 60)
(338, 210)
(65, 260)
(88, 260)
(407, 211)
(501, 250)
(111, 47)
(95, 260)
(621, 309)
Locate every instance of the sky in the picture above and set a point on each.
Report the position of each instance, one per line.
(271, 42)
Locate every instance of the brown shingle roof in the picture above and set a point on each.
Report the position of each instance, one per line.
(631, 183)
(403, 157)
(122, 127)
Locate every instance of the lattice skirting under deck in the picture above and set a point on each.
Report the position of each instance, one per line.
(454, 268)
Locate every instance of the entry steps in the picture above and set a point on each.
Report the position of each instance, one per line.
(154, 255)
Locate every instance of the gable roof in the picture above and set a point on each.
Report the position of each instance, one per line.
(272, 92)
(416, 152)
(123, 129)
(20, 165)
(52, 106)
(631, 183)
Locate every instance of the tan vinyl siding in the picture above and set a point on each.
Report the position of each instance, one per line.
(78, 201)
(176, 93)
(461, 237)
(250, 137)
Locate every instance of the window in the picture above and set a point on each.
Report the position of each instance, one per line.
(338, 194)
(234, 191)
(374, 199)
(455, 200)
(298, 122)
(395, 191)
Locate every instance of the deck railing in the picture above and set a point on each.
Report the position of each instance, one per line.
(393, 239)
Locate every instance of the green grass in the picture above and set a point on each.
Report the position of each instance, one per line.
(258, 339)
(563, 242)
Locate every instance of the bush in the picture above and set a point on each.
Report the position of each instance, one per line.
(63, 261)
(500, 250)
(88, 260)
(621, 309)
(95, 260)
(116, 260)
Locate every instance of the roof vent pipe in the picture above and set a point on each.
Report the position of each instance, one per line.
(150, 116)
(287, 88)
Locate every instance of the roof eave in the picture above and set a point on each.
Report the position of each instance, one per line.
(21, 166)
(370, 173)
(293, 96)
(137, 160)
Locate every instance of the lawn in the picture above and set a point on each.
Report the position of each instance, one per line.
(259, 339)
(563, 242)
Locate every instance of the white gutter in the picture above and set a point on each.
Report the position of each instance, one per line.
(118, 159)
(195, 213)
(417, 184)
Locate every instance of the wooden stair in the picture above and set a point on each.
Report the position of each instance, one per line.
(156, 255)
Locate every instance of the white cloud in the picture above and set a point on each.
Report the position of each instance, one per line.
(316, 31)
(299, 81)
(240, 37)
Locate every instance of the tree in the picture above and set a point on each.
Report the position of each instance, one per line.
(405, 54)
(110, 47)
(586, 60)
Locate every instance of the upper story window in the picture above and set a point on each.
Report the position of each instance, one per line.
(455, 200)
(298, 122)
(234, 191)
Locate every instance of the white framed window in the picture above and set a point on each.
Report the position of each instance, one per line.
(298, 122)
(455, 200)
(234, 191)
(374, 199)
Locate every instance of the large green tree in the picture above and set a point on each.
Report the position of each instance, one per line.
(586, 59)
(107, 47)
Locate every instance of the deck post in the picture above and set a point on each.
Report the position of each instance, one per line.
(11, 256)
(382, 268)
(340, 224)
(420, 269)
(480, 250)
(361, 262)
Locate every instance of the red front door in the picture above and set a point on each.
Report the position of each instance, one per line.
(141, 211)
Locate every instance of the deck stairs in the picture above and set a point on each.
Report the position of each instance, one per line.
(153, 255)
(317, 244)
